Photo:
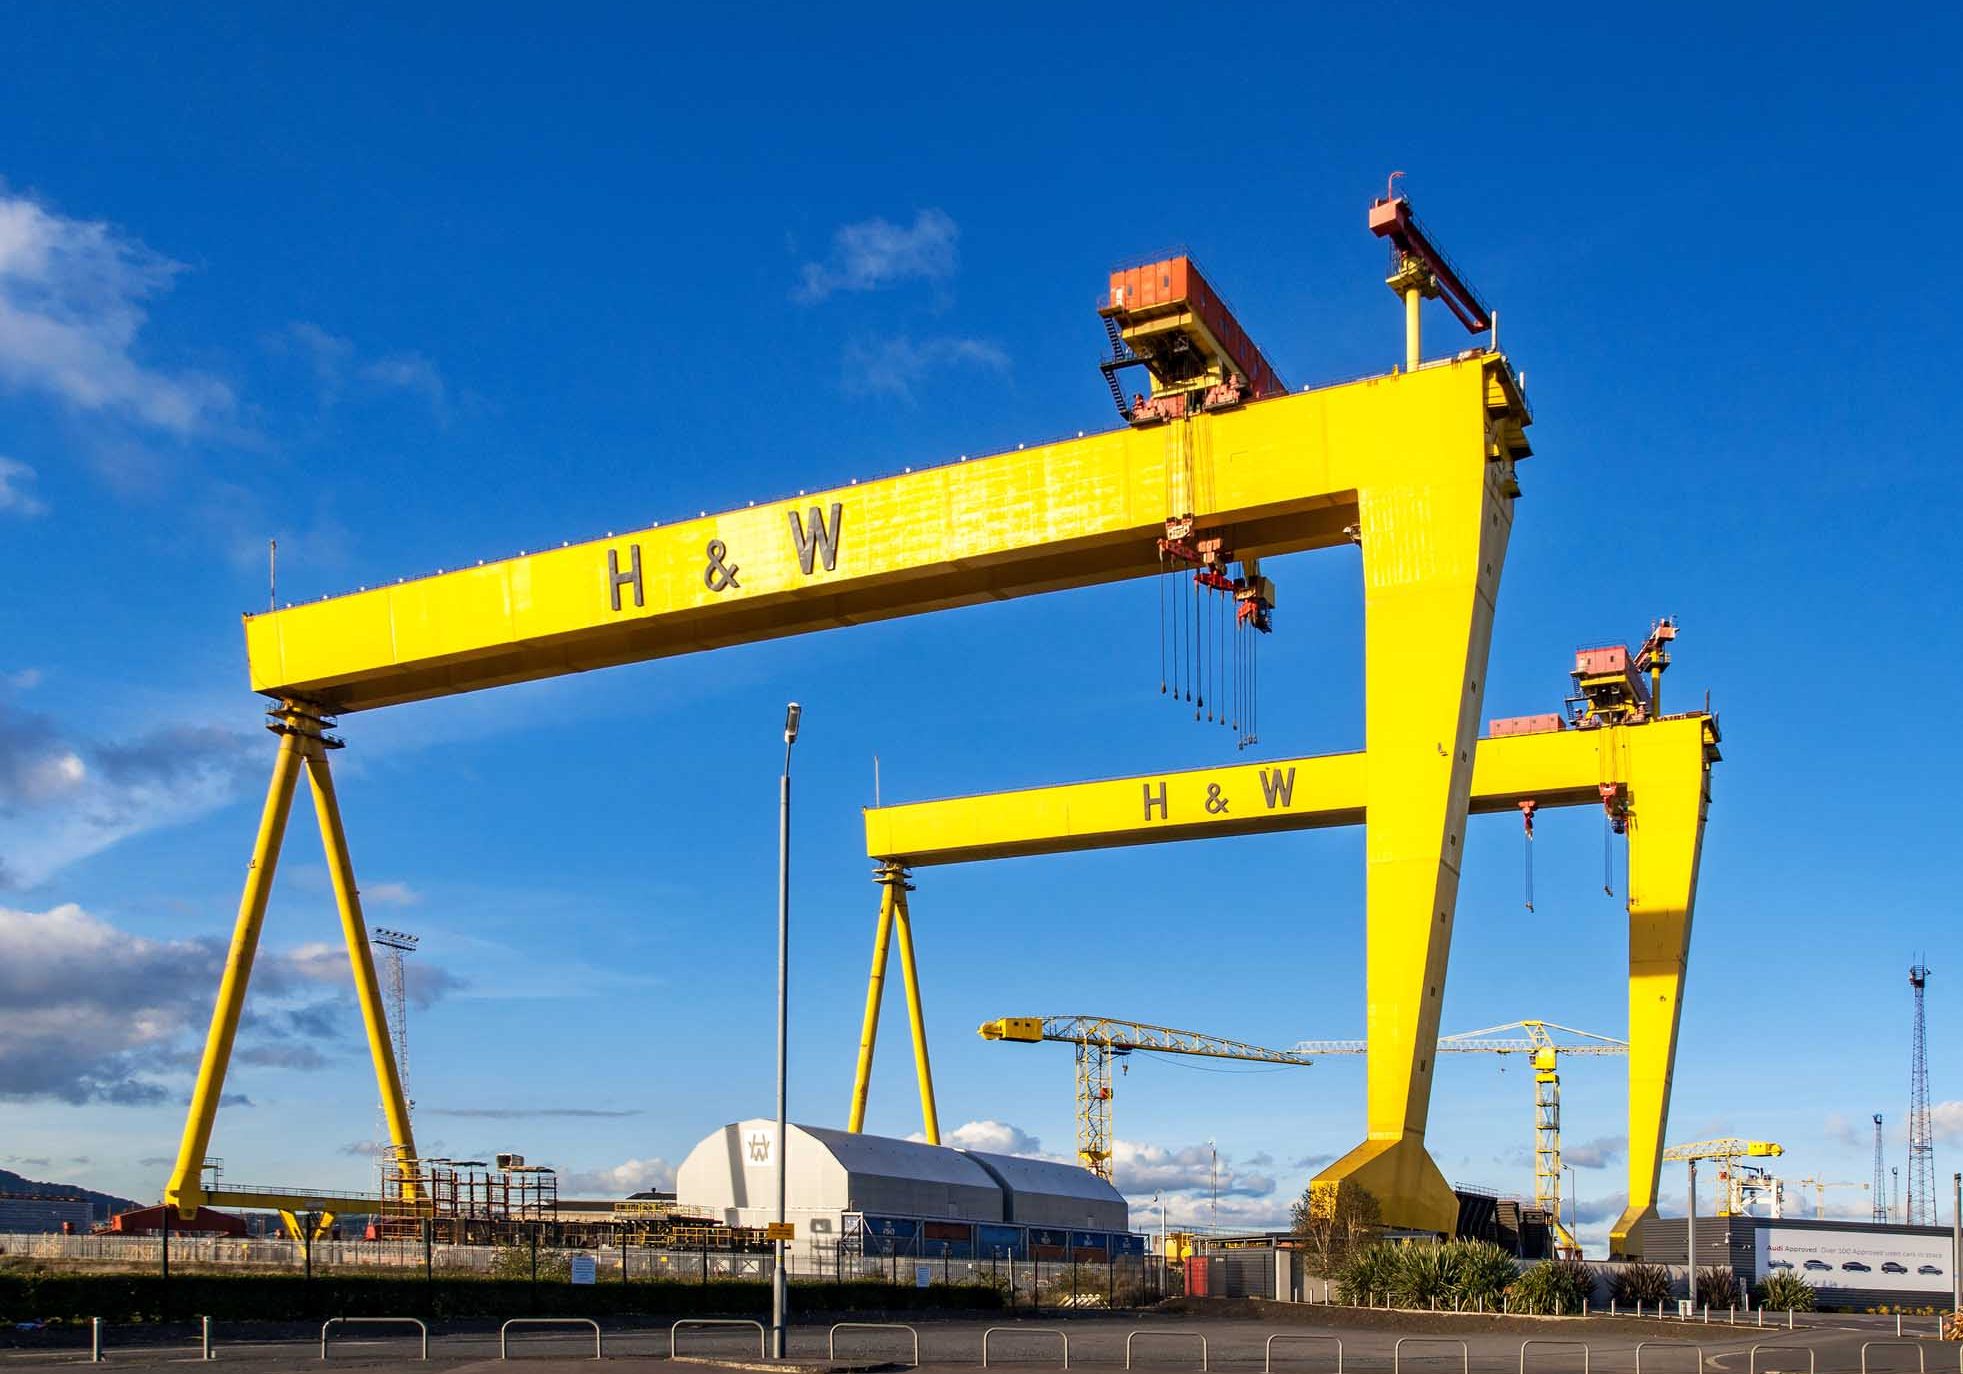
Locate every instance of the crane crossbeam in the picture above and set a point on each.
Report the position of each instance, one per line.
(1658, 773)
(1285, 474)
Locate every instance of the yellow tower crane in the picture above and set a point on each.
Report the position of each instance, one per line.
(1820, 1186)
(1544, 1052)
(1099, 1040)
(1728, 1150)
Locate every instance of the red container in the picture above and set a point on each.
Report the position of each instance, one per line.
(1178, 282)
(1608, 661)
(1526, 725)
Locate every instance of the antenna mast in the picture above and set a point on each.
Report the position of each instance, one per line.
(1921, 1202)
(1880, 1216)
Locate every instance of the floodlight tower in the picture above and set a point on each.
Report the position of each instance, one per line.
(1921, 1201)
(396, 945)
(1880, 1217)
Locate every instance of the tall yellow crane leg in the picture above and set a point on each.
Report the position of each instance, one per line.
(1666, 844)
(894, 916)
(185, 1188)
(303, 741)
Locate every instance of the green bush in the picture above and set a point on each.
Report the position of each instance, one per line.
(515, 1262)
(1640, 1285)
(1718, 1286)
(1369, 1275)
(1460, 1273)
(1786, 1291)
(123, 1298)
(1552, 1288)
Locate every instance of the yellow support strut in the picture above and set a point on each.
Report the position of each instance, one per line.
(368, 990)
(890, 878)
(186, 1186)
(303, 740)
(893, 913)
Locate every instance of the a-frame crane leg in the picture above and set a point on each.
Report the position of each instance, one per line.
(1433, 549)
(186, 1187)
(361, 961)
(930, 1118)
(303, 741)
(890, 878)
(1669, 797)
(894, 916)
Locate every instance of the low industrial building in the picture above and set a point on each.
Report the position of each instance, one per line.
(876, 1195)
(1851, 1264)
(28, 1214)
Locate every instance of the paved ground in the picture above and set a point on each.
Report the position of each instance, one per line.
(1165, 1344)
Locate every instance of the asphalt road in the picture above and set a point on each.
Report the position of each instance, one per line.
(1305, 1343)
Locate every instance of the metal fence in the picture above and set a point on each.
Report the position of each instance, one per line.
(1128, 1281)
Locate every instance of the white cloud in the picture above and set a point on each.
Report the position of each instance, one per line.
(892, 364)
(992, 1137)
(1843, 1131)
(1598, 1153)
(72, 303)
(63, 799)
(876, 252)
(335, 360)
(631, 1176)
(1946, 1120)
(93, 1013)
(390, 894)
(15, 498)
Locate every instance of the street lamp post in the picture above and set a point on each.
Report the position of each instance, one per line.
(1573, 1205)
(779, 1282)
(1690, 1232)
(1956, 1241)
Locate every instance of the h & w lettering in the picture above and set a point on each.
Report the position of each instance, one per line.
(820, 538)
(616, 579)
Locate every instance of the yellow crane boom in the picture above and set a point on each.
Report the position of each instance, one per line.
(1100, 1039)
(1545, 1052)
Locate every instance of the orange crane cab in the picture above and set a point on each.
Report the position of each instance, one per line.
(1166, 317)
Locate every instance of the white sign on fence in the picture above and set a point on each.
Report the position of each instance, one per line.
(923, 1275)
(1868, 1258)
(585, 1270)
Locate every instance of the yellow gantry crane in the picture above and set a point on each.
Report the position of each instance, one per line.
(1099, 1040)
(1544, 1052)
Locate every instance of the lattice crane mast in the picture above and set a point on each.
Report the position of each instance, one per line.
(1820, 1186)
(1544, 1052)
(1737, 1183)
(1101, 1039)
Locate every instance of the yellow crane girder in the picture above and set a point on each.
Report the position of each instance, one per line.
(1658, 774)
(1417, 466)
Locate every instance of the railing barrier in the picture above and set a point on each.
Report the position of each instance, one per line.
(1921, 1352)
(1752, 1364)
(715, 1321)
(548, 1321)
(1582, 1346)
(1064, 1336)
(332, 1322)
(1268, 1350)
(1668, 1345)
(831, 1336)
(1397, 1351)
(1131, 1336)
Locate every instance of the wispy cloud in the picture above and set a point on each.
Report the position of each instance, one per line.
(337, 363)
(1946, 1120)
(93, 1013)
(991, 1137)
(875, 253)
(73, 299)
(390, 894)
(893, 364)
(530, 1113)
(631, 1176)
(62, 798)
(15, 497)
(1598, 1153)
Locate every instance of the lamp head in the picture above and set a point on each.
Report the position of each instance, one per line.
(791, 714)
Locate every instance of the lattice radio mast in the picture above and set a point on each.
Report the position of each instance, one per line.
(1880, 1188)
(1921, 1202)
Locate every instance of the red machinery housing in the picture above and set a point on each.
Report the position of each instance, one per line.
(1166, 317)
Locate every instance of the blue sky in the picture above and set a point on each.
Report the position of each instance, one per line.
(408, 291)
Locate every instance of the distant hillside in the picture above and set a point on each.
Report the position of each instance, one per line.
(106, 1204)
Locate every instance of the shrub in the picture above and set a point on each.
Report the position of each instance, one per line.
(1552, 1288)
(515, 1262)
(1481, 1273)
(1786, 1291)
(1640, 1285)
(1717, 1287)
(1369, 1275)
